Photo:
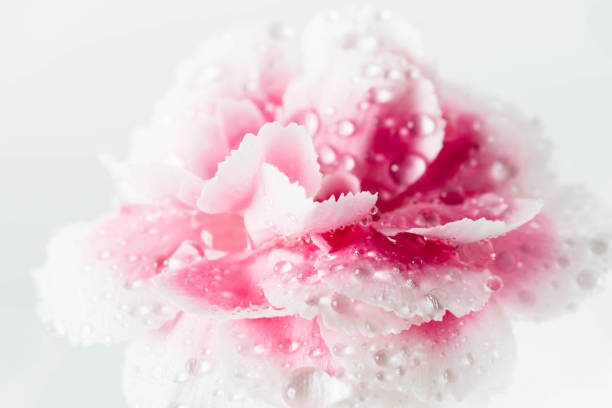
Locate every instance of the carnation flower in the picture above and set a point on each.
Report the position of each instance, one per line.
(349, 230)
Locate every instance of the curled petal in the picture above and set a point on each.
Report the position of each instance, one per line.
(280, 207)
(289, 149)
(469, 230)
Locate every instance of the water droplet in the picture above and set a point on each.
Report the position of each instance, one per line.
(189, 252)
(135, 284)
(104, 255)
(373, 70)
(448, 376)
(340, 304)
(501, 171)
(380, 358)
(309, 119)
(505, 261)
(427, 218)
(346, 128)
(348, 162)
(395, 74)
(327, 155)
(494, 283)
(304, 389)
(433, 302)
(586, 280)
(283, 266)
(207, 238)
(598, 246)
(427, 125)
(380, 95)
(452, 196)
(479, 253)
(406, 169)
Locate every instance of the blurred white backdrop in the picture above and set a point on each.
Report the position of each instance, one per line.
(77, 76)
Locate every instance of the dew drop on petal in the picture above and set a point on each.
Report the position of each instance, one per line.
(427, 218)
(327, 155)
(339, 304)
(494, 283)
(406, 169)
(598, 246)
(501, 171)
(283, 266)
(428, 125)
(309, 119)
(505, 261)
(380, 95)
(452, 196)
(304, 389)
(373, 70)
(479, 253)
(346, 128)
(380, 358)
(586, 280)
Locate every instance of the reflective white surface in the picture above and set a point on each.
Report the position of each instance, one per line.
(76, 77)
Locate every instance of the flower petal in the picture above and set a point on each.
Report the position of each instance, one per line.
(224, 288)
(434, 362)
(414, 277)
(295, 286)
(356, 29)
(469, 230)
(141, 183)
(195, 362)
(282, 208)
(289, 149)
(94, 286)
(385, 127)
(177, 366)
(554, 262)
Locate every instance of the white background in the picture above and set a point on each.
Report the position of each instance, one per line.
(77, 76)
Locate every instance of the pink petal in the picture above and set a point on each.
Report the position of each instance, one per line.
(414, 277)
(385, 128)
(138, 182)
(176, 365)
(281, 208)
(104, 267)
(289, 149)
(435, 362)
(474, 229)
(237, 118)
(356, 29)
(295, 286)
(220, 288)
(551, 264)
(195, 362)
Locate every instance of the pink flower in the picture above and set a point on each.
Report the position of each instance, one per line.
(351, 230)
